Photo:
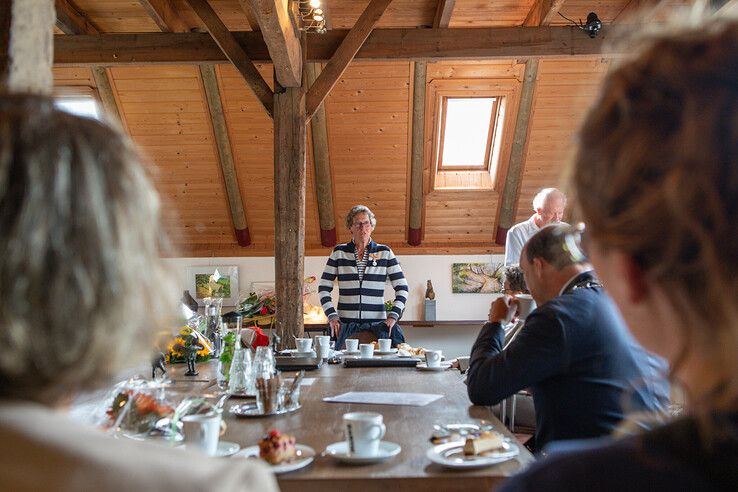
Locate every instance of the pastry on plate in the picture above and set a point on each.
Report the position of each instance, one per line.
(276, 448)
(487, 441)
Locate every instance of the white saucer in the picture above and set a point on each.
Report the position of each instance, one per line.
(351, 352)
(422, 366)
(305, 456)
(391, 351)
(225, 448)
(339, 450)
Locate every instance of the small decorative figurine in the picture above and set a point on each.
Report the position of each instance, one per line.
(190, 349)
(158, 363)
(429, 293)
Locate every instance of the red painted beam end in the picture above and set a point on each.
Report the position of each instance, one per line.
(501, 237)
(243, 237)
(413, 236)
(328, 237)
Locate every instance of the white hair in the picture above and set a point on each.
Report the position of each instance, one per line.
(360, 209)
(540, 199)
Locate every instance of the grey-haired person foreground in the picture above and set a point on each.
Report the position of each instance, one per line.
(83, 289)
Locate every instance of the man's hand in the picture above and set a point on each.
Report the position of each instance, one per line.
(503, 310)
(335, 325)
(390, 322)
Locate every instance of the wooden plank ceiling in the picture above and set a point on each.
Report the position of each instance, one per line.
(368, 113)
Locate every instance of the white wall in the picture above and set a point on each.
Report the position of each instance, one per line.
(418, 269)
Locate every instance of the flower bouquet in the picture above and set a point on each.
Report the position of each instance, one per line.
(187, 336)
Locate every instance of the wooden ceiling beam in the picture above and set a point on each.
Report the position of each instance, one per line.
(340, 60)
(515, 167)
(26, 45)
(382, 44)
(322, 164)
(281, 39)
(165, 15)
(225, 154)
(71, 20)
(250, 16)
(237, 55)
(443, 13)
(542, 12)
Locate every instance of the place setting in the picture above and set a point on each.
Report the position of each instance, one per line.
(433, 362)
(363, 444)
(280, 451)
(467, 445)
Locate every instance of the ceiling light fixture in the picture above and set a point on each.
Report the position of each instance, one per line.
(312, 18)
(591, 27)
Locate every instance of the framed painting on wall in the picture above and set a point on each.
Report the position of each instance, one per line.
(476, 278)
(214, 281)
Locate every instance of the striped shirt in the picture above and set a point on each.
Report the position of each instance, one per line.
(361, 299)
(361, 262)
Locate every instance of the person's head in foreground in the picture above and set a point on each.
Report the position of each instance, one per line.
(82, 283)
(549, 205)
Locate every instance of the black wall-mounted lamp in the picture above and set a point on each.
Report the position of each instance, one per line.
(591, 27)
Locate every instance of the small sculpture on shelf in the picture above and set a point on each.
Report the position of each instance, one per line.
(429, 293)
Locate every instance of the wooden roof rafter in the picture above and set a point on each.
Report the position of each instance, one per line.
(237, 55)
(71, 20)
(542, 12)
(444, 10)
(165, 15)
(281, 38)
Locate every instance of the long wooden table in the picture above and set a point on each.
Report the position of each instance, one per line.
(318, 424)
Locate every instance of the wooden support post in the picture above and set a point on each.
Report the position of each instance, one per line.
(250, 17)
(321, 160)
(72, 21)
(443, 13)
(281, 38)
(165, 14)
(344, 54)
(107, 96)
(27, 45)
(415, 229)
(517, 153)
(225, 155)
(235, 53)
(289, 206)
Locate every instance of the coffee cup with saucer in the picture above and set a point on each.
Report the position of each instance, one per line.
(363, 444)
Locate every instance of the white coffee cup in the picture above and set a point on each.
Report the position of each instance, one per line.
(202, 432)
(364, 431)
(367, 350)
(352, 344)
(526, 305)
(385, 344)
(322, 339)
(304, 344)
(323, 350)
(433, 358)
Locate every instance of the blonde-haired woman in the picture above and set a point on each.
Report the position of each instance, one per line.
(82, 287)
(656, 180)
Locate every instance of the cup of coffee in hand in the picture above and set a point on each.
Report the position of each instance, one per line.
(526, 305)
(364, 431)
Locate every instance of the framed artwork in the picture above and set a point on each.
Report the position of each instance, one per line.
(214, 281)
(476, 278)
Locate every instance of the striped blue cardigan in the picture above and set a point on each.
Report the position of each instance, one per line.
(360, 301)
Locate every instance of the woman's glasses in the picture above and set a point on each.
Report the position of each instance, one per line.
(359, 225)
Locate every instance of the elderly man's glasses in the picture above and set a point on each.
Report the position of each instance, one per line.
(360, 225)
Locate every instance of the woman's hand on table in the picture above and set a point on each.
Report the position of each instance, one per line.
(335, 325)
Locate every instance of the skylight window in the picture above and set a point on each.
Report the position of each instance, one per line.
(467, 133)
(81, 106)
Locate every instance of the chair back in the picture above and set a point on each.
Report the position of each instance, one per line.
(510, 335)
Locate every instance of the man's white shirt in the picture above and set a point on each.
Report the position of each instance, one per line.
(517, 236)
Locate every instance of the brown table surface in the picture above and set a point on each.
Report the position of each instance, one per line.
(318, 424)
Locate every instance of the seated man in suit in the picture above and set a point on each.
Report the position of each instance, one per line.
(584, 369)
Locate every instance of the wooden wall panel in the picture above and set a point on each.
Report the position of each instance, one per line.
(367, 113)
(117, 15)
(167, 117)
(565, 90)
(401, 13)
(477, 13)
(73, 76)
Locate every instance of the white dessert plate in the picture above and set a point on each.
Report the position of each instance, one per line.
(225, 448)
(305, 456)
(391, 351)
(422, 366)
(452, 455)
(339, 450)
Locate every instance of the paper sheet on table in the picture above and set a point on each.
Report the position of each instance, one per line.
(307, 381)
(384, 398)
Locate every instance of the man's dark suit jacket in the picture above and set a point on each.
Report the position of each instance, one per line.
(582, 365)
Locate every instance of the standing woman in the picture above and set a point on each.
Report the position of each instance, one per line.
(656, 180)
(362, 268)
